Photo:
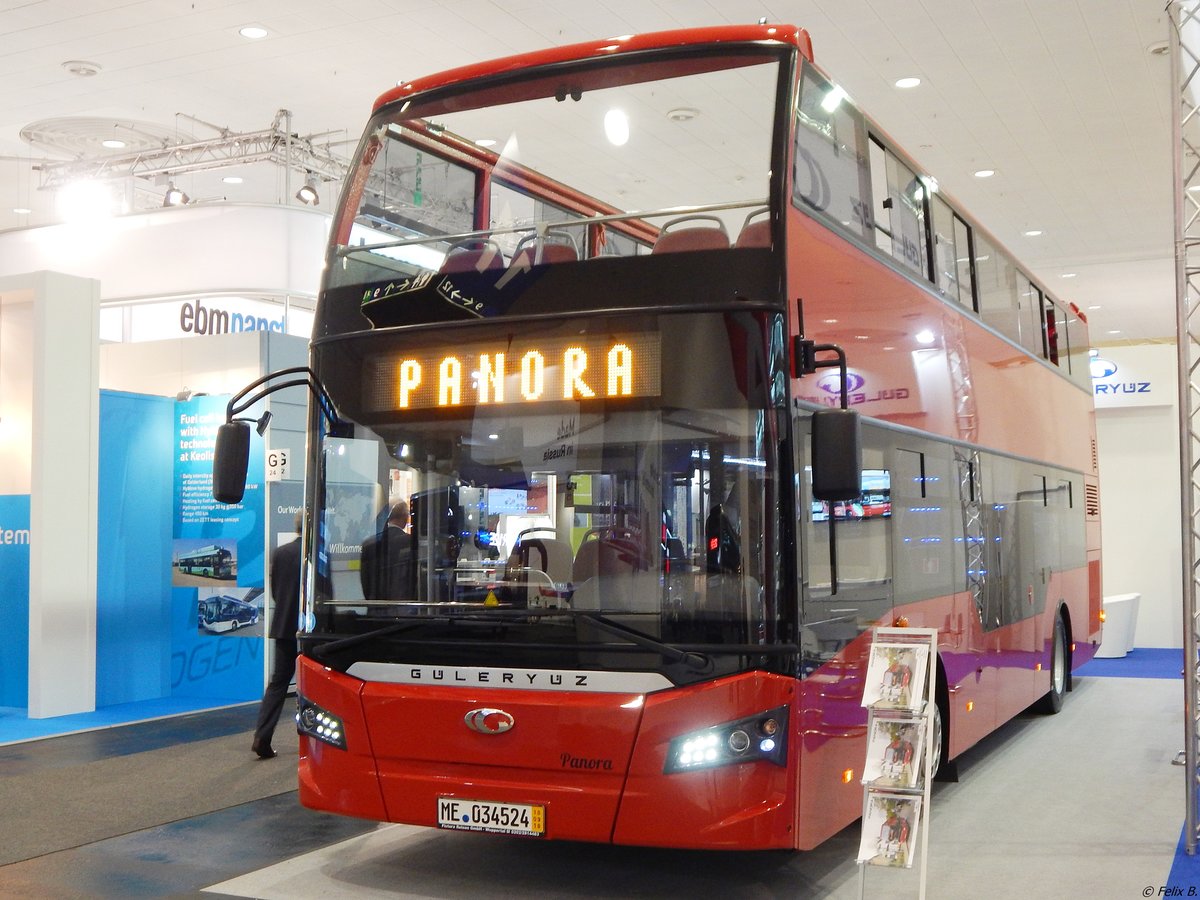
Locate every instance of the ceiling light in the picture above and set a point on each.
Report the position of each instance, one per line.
(174, 196)
(252, 32)
(1097, 306)
(22, 210)
(82, 68)
(985, 173)
(113, 144)
(485, 142)
(85, 201)
(232, 179)
(1034, 233)
(616, 127)
(1069, 275)
(833, 99)
(909, 82)
(308, 192)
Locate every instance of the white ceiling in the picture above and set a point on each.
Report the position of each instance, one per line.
(1062, 98)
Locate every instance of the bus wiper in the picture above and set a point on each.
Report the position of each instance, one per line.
(353, 640)
(697, 662)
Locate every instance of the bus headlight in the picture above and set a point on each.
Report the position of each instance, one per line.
(319, 723)
(756, 738)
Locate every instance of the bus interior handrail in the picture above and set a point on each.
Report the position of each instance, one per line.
(539, 226)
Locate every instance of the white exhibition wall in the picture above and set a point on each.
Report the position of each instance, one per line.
(1138, 436)
(201, 249)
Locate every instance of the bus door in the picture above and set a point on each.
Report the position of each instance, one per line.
(845, 590)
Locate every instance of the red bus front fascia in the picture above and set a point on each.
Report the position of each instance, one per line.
(595, 760)
(331, 779)
(601, 49)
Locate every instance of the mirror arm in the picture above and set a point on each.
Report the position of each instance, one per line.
(244, 399)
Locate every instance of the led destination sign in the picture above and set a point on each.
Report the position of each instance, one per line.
(536, 371)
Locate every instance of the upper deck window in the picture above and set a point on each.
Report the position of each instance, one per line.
(602, 153)
(830, 173)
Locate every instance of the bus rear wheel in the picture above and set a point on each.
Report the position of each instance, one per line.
(1059, 670)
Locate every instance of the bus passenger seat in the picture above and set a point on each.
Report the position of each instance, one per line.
(554, 246)
(472, 255)
(755, 234)
(704, 237)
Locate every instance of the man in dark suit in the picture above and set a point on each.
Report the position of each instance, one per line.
(387, 559)
(285, 591)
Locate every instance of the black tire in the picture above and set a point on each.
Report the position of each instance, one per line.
(944, 768)
(1060, 670)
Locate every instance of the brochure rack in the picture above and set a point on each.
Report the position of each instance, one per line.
(899, 694)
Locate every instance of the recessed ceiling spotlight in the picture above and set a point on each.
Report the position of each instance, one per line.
(1097, 306)
(252, 32)
(682, 114)
(985, 173)
(909, 82)
(22, 210)
(232, 179)
(82, 68)
(113, 143)
(1033, 233)
(1069, 275)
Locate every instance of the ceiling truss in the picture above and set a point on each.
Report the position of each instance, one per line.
(276, 144)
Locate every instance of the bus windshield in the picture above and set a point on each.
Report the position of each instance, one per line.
(614, 529)
(459, 196)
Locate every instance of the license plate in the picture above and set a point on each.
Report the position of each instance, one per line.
(486, 815)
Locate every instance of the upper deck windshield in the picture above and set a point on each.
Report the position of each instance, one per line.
(462, 197)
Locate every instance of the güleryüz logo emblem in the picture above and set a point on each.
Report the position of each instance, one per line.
(1103, 368)
(489, 721)
(832, 383)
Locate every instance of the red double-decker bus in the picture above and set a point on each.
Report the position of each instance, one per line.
(567, 572)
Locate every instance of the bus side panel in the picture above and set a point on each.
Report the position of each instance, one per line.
(833, 731)
(743, 806)
(332, 779)
(1075, 587)
(861, 303)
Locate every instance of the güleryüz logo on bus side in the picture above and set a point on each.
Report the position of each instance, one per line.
(832, 383)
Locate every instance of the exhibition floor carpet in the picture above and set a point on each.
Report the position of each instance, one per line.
(1082, 804)
(16, 726)
(1141, 662)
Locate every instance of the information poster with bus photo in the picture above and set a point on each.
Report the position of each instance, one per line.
(894, 753)
(889, 832)
(217, 565)
(896, 676)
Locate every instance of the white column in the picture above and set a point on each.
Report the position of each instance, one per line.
(63, 485)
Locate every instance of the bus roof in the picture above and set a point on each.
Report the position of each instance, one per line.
(607, 47)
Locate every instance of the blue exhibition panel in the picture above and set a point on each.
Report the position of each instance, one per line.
(14, 599)
(133, 548)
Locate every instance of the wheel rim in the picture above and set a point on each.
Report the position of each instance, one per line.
(936, 763)
(1059, 663)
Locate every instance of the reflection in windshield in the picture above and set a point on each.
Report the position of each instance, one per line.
(653, 519)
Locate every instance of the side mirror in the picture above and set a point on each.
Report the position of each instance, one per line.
(230, 458)
(836, 454)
